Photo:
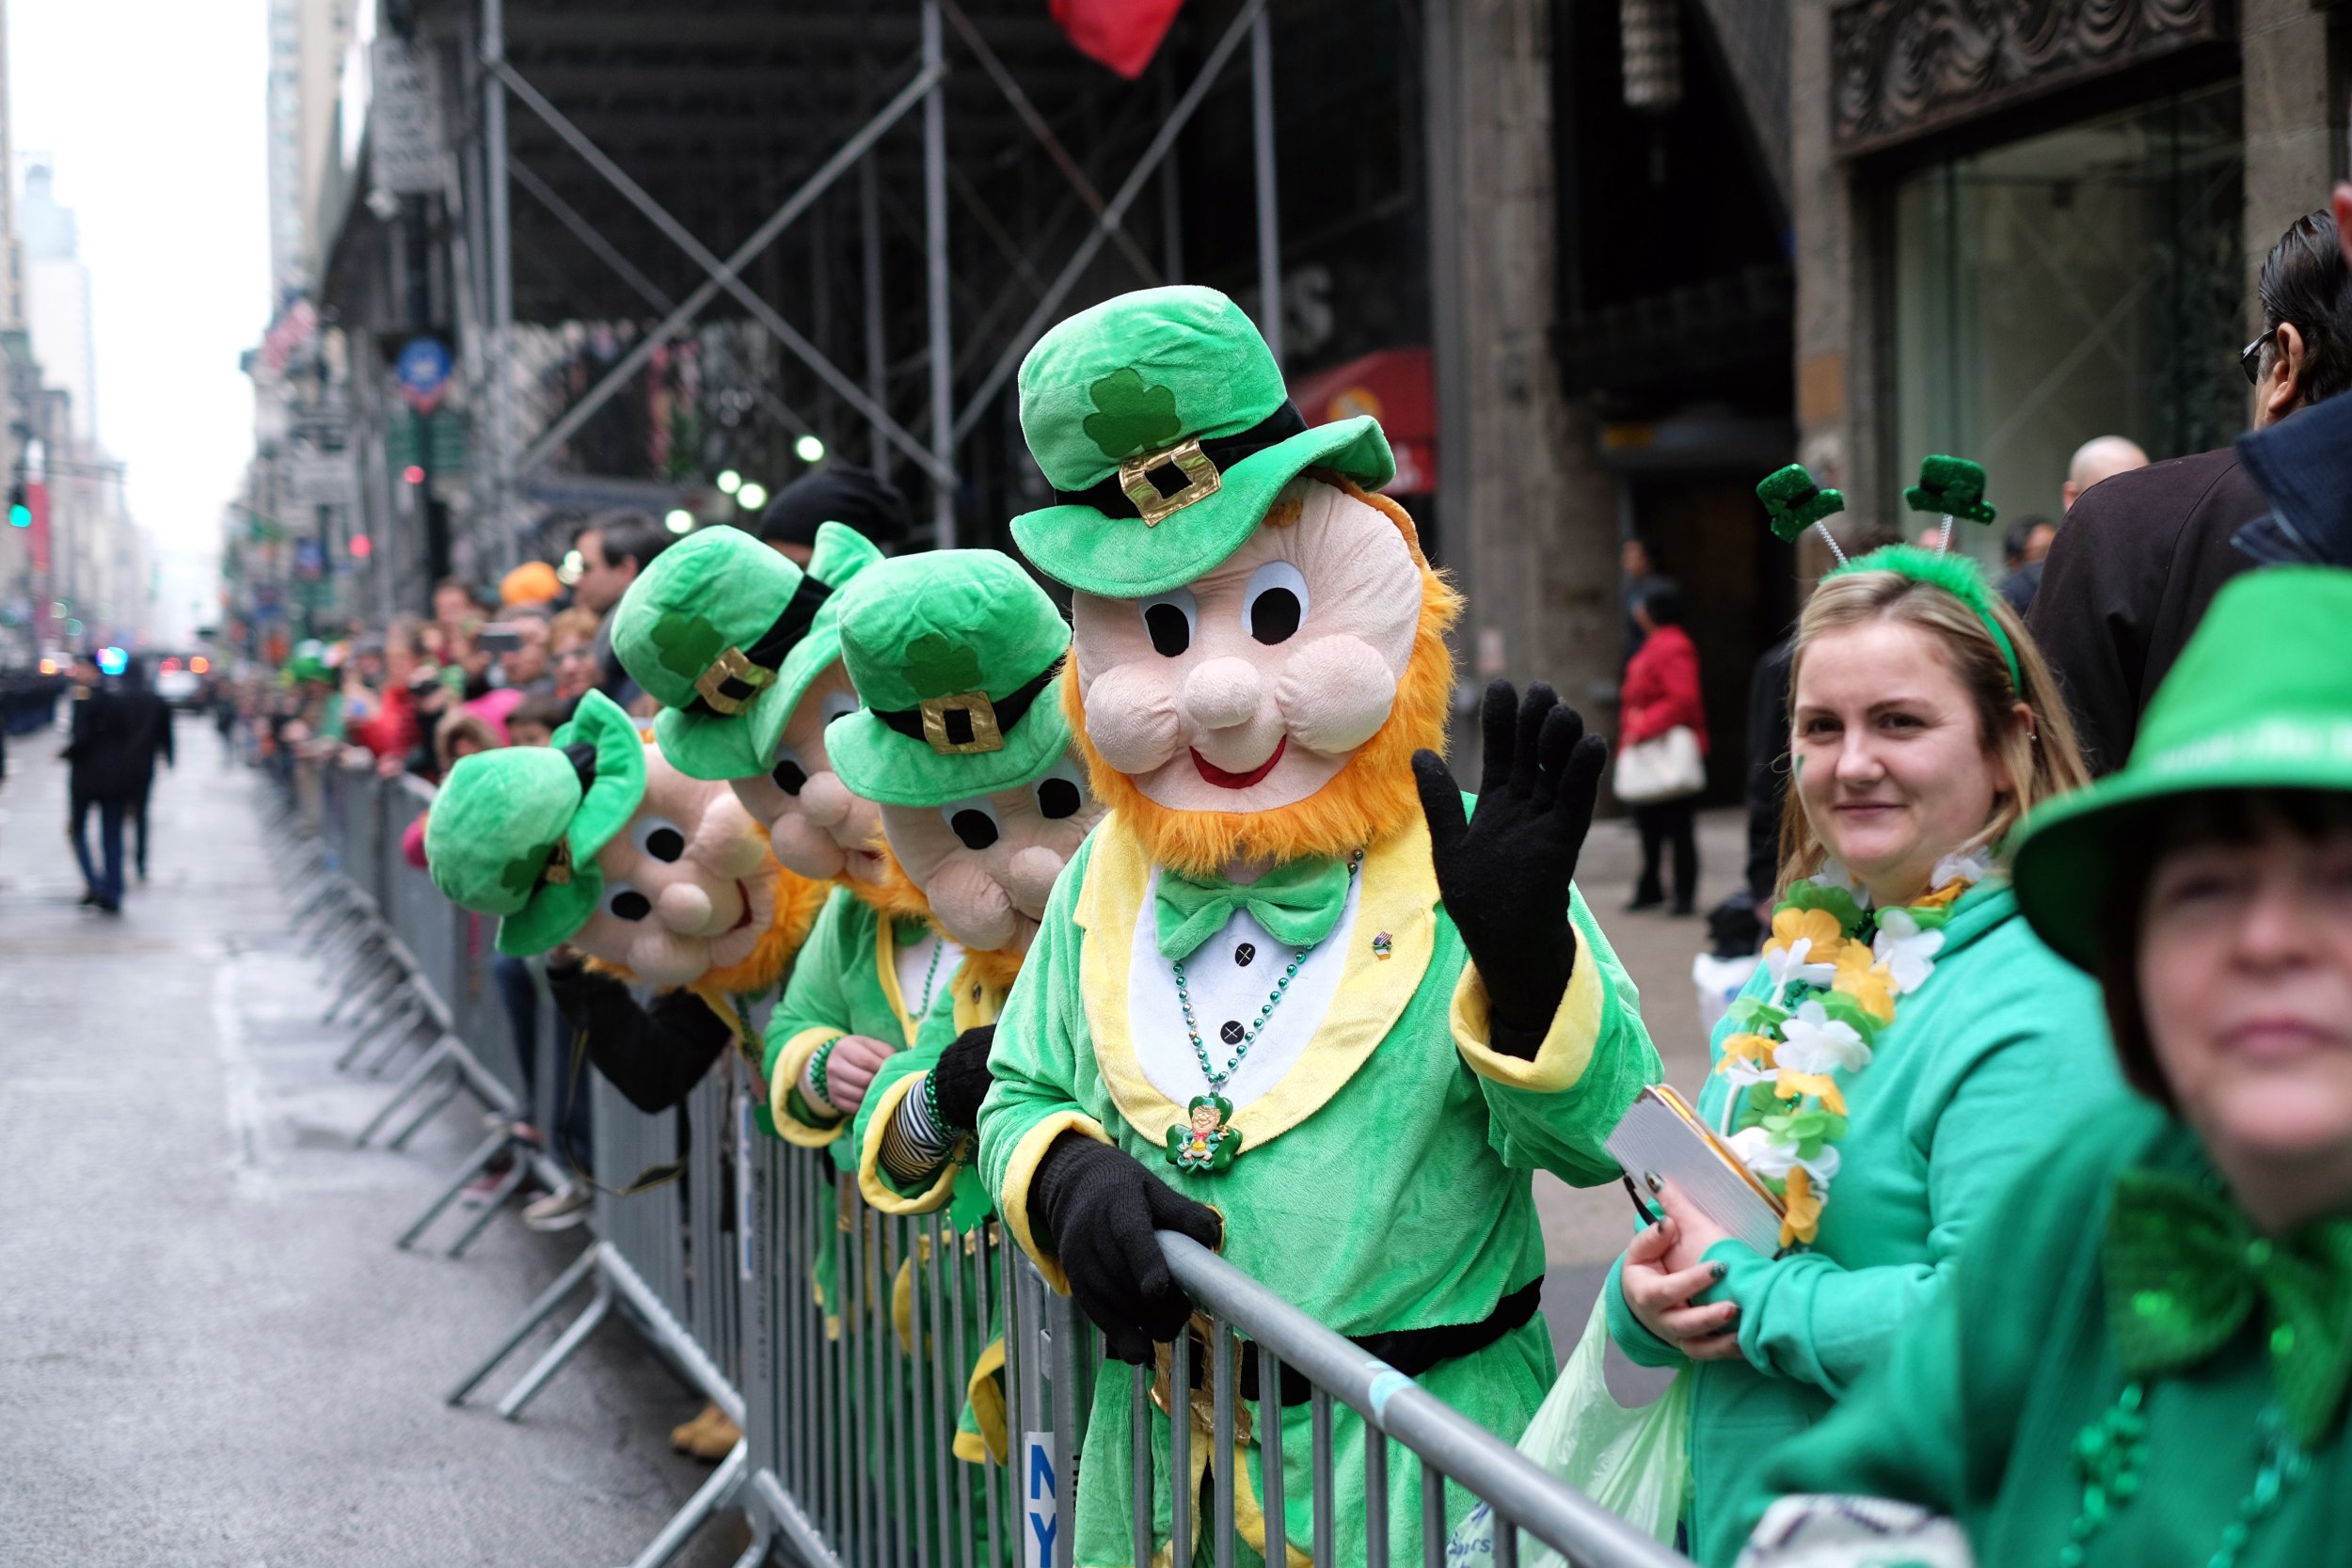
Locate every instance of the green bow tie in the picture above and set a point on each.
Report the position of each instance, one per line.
(1298, 904)
(2185, 1271)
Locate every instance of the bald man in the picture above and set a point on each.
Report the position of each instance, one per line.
(2100, 457)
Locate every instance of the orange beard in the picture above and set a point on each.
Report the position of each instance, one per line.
(1371, 798)
(894, 894)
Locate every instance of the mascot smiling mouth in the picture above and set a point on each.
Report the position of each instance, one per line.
(1223, 780)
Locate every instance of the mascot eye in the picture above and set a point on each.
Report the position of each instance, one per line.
(1060, 793)
(1274, 604)
(790, 775)
(624, 902)
(1169, 618)
(659, 839)
(974, 821)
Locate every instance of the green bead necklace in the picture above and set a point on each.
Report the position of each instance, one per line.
(1250, 1036)
(2108, 1456)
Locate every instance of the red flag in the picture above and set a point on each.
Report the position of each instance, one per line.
(1121, 34)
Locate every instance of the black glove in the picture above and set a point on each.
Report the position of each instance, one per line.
(959, 1078)
(1504, 871)
(1099, 1209)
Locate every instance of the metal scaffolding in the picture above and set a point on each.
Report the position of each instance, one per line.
(762, 221)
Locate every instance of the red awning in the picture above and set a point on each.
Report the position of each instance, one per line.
(1393, 385)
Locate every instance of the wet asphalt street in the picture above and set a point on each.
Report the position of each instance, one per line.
(211, 1355)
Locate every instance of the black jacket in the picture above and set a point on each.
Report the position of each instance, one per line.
(2304, 465)
(655, 1054)
(149, 718)
(2139, 558)
(107, 760)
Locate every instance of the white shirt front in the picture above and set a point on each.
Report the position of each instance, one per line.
(919, 980)
(1229, 977)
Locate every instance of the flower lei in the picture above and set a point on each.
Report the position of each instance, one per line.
(1838, 967)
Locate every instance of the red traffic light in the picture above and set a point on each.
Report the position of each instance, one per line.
(361, 546)
(414, 473)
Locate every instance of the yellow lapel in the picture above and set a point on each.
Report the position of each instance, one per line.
(1399, 900)
(886, 965)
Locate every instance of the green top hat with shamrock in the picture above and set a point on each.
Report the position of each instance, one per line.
(515, 831)
(725, 634)
(954, 654)
(2261, 699)
(1161, 420)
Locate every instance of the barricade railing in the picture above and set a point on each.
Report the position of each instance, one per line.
(843, 1341)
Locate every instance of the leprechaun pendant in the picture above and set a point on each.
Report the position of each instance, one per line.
(1208, 1144)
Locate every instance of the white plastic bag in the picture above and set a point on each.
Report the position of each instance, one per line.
(1635, 1462)
(1720, 982)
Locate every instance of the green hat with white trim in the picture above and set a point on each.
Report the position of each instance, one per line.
(726, 634)
(954, 654)
(515, 833)
(2259, 699)
(1161, 420)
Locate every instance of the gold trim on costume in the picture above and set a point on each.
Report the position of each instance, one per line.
(791, 1062)
(1020, 1170)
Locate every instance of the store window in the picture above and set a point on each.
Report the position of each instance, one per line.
(2087, 282)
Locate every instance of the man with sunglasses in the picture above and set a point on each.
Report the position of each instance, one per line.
(2143, 553)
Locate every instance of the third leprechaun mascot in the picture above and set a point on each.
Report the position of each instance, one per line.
(1291, 976)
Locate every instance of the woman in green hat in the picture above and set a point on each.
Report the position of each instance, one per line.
(1907, 1041)
(2145, 1352)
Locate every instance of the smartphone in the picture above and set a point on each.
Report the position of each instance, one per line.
(500, 637)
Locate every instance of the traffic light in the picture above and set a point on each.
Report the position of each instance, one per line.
(20, 510)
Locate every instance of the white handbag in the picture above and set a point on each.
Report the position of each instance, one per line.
(1665, 767)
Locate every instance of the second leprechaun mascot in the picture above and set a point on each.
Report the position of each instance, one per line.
(1286, 977)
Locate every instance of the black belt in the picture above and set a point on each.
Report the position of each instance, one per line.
(1110, 497)
(1411, 1351)
(800, 611)
(1008, 709)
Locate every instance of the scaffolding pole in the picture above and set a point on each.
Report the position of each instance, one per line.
(1269, 221)
(501, 264)
(936, 268)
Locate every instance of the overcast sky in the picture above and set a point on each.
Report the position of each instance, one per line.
(154, 111)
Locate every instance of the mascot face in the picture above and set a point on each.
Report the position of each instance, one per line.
(819, 829)
(1249, 688)
(683, 889)
(988, 864)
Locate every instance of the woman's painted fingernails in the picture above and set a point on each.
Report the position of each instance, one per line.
(1719, 1269)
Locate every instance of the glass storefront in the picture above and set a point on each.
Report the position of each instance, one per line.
(2087, 282)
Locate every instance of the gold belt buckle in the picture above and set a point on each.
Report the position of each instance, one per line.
(732, 665)
(978, 712)
(1185, 456)
(1203, 1400)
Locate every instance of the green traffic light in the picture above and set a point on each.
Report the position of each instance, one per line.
(20, 516)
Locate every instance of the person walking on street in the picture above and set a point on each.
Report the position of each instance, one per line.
(102, 772)
(1662, 693)
(150, 719)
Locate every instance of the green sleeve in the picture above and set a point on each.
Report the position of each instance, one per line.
(1555, 1111)
(1978, 1126)
(814, 997)
(1934, 1422)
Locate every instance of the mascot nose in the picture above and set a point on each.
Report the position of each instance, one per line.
(1223, 692)
(685, 908)
(1029, 877)
(826, 800)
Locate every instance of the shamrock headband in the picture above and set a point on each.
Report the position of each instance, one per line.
(1957, 575)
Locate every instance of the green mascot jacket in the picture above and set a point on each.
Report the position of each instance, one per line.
(2002, 1041)
(1382, 1184)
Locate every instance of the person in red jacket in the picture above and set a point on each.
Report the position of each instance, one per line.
(1661, 691)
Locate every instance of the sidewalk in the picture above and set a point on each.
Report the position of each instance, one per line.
(211, 1356)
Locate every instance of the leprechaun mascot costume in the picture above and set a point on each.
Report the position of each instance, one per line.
(965, 746)
(1288, 976)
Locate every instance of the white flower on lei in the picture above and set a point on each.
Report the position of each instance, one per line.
(1740, 1072)
(1792, 964)
(1974, 866)
(1835, 875)
(1769, 1158)
(1812, 1041)
(1907, 951)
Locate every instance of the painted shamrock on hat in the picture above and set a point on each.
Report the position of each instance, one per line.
(961, 739)
(742, 649)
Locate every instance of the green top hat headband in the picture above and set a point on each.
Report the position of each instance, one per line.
(726, 634)
(1950, 485)
(1162, 422)
(2259, 699)
(515, 833)
(954, 654)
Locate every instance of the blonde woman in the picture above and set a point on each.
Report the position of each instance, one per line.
(1908, 1041)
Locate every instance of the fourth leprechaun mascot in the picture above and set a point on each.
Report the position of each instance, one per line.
(1292, 998)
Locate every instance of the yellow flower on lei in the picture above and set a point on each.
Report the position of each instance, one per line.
(1802, 1220)
(1820, 927)
(1790, 1084)
(1747, 1048)
(1948, 894)
(1869, 983)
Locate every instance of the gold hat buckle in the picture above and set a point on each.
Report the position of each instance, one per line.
(732, 666)
(1198, 469)
(979, 718)
(558, 872)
